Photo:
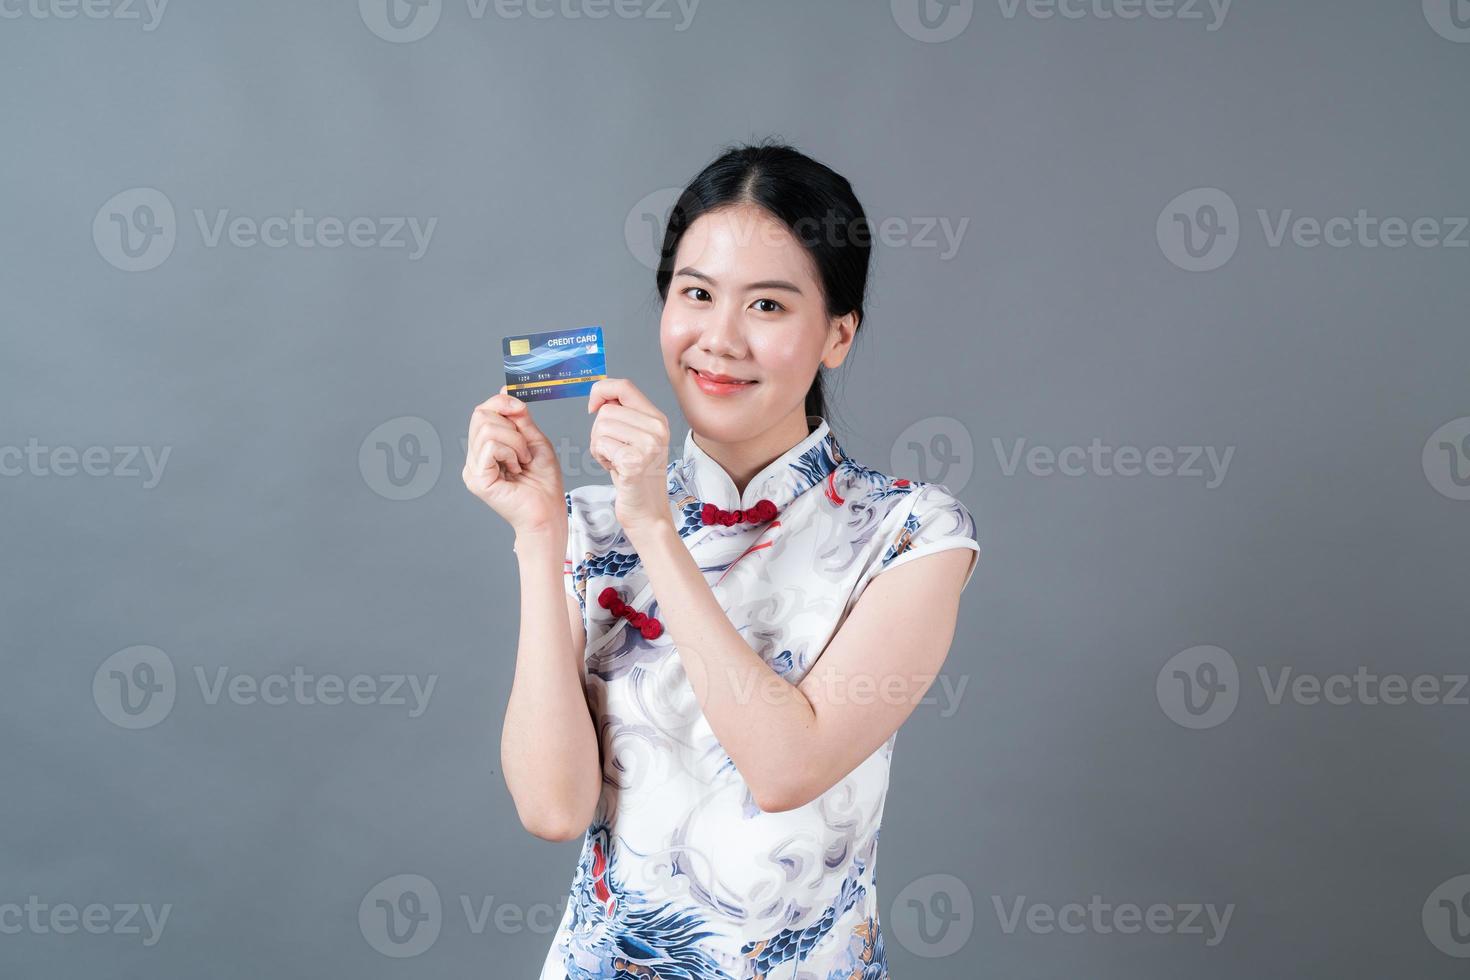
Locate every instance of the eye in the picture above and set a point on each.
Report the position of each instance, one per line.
(777, 305)
(696, 289)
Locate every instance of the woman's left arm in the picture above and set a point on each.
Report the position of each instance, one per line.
(793, 742)
(790, 742)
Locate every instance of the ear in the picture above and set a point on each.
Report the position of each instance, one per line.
(840, 334)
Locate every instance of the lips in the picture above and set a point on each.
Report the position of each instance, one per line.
(720, 385)
(723, 379)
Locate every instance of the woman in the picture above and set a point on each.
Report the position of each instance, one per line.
(708, 705)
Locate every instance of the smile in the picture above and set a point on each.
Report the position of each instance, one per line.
(713, 386)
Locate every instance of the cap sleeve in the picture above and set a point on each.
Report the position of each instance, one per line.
(936, 520)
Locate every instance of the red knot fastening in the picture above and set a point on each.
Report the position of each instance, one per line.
(650, 627)
(763, 511)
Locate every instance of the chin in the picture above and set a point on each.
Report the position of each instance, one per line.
(727, 423)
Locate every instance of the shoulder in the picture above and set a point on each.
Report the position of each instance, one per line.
(912, 517)
(901, 499)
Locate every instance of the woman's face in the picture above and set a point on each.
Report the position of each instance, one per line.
(745, 302)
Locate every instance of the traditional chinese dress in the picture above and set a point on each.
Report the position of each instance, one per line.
(681, 875)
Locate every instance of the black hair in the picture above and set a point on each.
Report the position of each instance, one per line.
(814, 202)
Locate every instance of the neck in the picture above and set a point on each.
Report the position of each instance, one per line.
(744, 459)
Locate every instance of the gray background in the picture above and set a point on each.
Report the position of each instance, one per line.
(272, 540)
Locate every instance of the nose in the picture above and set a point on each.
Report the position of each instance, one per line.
(721, 334)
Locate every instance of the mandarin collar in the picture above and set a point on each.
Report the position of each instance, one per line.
(781, 481)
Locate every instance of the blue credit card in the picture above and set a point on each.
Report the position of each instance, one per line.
(555, 364)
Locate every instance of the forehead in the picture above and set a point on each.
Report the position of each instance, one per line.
(744, 243)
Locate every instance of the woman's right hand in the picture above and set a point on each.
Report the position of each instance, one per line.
(512, 466)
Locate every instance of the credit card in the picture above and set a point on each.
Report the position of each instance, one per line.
(555, 364)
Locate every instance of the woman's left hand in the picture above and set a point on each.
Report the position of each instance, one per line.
(630, 439)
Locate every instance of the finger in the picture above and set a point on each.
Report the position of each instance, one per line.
(629, 434)
(489, 422)
(505, 456)
(619, 390)
(654, 425)
(496, 456)
(627, 450)
(479, 479)
(518, 414)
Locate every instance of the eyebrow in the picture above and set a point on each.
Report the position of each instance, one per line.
(689, 270)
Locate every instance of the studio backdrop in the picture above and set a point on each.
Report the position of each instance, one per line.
(1170, 293)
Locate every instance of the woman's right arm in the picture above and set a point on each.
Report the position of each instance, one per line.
(548, 749)
(548, 746)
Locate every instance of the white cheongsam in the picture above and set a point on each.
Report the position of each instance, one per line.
(681, 875)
